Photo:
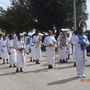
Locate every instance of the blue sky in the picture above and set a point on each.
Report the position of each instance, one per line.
(6, 3)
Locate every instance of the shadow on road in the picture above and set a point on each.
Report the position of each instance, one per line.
(63, 81)
(5, 74)
(4, 68)
(36, 71)
(66, 67)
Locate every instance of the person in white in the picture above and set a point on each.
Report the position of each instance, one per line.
(74, 47)
(0, 46)
(27, 44)
(4, 51)
(32, 50)
(11, 51)
(37, 47)
(49, 42)
(62, 44)
(20, 54)
(69, 46)
(80, 41)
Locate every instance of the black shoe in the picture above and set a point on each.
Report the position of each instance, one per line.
(37, 62)
(34, 61)
(17, 70)
(21, 70)
(14, 65)
(0, 58)
(31, 60)
(3, 63)
(50, 67)
(10, 66)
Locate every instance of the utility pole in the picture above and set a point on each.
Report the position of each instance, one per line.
(74, 14)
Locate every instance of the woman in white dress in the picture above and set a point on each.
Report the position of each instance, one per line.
(4, 51)
(20, 54)
(11, 51)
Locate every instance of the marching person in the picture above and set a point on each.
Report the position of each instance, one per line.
(32, 50)
(27, 45)
(74, 47)
(69, 47)
(80, 41)
(49, 42)
(4, 51)
(11, 51)
(62, 44)
(37, 46)
(20, 54)
(0, 46)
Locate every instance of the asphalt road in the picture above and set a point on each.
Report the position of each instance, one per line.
(38, 77)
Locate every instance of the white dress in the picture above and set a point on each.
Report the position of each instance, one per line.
(62, 51)
(4, 51)
(37, 48)
(32, 49)
(50, 50)
(12, 50)
(0, 49)
(20, 55)
(74, 49)
(80, 55)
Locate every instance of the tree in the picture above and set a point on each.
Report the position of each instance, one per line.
(58, 13)
(23, 15)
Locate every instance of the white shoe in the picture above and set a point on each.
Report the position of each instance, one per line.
(79, 76)
(83, 75)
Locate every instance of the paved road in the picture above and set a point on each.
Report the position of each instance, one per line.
(38, 77)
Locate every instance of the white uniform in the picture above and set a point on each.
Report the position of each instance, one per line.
(4, 51)
(69, 46)
(37, 47)
(32, 49)
(12, 50)
(74, 49)
(50, 50)
(20, 55)
(62, 51)
(80, 55)
(27, 44)
(0, 49)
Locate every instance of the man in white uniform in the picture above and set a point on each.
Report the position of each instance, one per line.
(11, 51)
(37, 47)
(20, 54)
(4, 51)
(80, 41)
(49, 42)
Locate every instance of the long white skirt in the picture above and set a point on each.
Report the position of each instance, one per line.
(27, 48)
(37, 53)
(12, 58)
(4, 54)
(20, 59)
(63, 53)
(50, 55)
(32, 52)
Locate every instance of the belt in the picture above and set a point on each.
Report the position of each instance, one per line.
(11, 47)
(3, 46)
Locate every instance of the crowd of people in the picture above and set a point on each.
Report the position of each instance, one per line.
(14, 48)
